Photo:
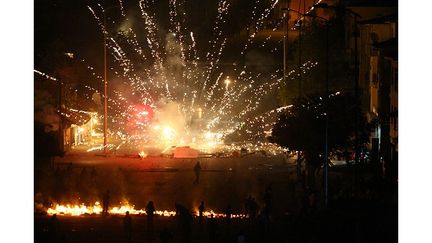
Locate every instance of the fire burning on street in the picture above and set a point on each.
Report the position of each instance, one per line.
(96, 209)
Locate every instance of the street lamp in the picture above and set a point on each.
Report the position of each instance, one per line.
(299, 75)
(326, 21)
(299, 25)
(285, 42)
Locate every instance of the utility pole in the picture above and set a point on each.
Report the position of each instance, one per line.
(300, 93)
(356, 85)
(357, 108)
(326, 104)
(326, 100)
(356, 90)
(105, 87)
(60, 104)
(299, 58)
(285, 43)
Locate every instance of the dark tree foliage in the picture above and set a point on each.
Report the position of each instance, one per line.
(302, 127)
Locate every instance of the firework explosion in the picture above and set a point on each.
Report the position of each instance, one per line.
(181, 94)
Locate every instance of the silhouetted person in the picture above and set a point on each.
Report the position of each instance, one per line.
(268, 196)
(93, 173)
(263, 224)
(312, 201)
(212, 226)
(83, 173)
(303, 181)
(241, 237)
(53, 228)
(201, 211)
(247, 205)
(69, 168)
(228, 213)
(127, 226)
(305, 204)
(184, 222)
(105, 202)
(165, 236)
(253, 208)
(197, 170)
(150, 210)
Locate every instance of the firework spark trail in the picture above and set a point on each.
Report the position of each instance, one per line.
(213, 56)
(99, 22)
(231, 98)
(193, 49)
(131, 38)
(262, 90)
(177, 24)
(118, 54)
(212, 88)
(257, 23)
(153, 43)
(45, 75)
(121, 8)
(259, 122)
(175, 31)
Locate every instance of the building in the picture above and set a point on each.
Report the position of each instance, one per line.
(378, 79)
(387, 102)
(79, 128)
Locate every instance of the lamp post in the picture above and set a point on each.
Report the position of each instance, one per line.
(298, 169)
(105, 87)
(105, 32)
(326, 21)
(60, 105)
(299, 25)
(285, 42)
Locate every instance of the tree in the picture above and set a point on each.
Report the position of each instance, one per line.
(302, 128)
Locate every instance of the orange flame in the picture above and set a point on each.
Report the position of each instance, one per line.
(96, 209)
